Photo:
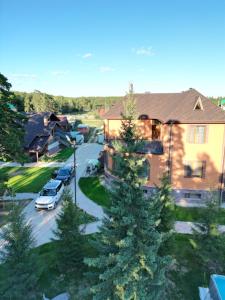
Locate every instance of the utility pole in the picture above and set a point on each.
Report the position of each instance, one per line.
(75, 174)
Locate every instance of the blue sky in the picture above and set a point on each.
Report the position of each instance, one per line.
(96, 47)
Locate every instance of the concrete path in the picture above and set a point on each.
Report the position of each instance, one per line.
(34, 164)
(43, 222)
(187, 227)
(21, 196)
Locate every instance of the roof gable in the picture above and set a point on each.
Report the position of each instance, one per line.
(198, 104)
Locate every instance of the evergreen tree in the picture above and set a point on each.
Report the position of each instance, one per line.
(210, 242)
(69, 239)
(166, 201)
(20, 264)
(128, 265)
(11, 125)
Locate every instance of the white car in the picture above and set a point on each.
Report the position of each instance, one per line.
(50, 195)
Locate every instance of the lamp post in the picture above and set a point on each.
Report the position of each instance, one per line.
(75, 174)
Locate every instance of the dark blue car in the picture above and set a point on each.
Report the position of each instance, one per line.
(65, 174)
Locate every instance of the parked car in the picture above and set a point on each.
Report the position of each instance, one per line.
(65, 174)
(77, 136)
(100, 138)
(50, 195)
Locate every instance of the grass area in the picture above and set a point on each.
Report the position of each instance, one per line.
(94, 190)
(61, 156)
(5, 207)
(188, 274)
(50, 281)
(93, 122)
(195, 213)
(27, 180)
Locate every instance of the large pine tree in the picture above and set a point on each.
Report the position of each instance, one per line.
(19, 262)
(165, 199)
(69, 239)
(129, 265)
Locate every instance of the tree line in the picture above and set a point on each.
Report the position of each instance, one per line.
(40, 102)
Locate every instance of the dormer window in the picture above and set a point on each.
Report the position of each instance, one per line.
(198, 104)
(143, 117)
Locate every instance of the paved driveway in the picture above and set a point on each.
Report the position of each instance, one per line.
(43, 222)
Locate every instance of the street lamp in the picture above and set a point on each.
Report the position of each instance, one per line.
(75, 174)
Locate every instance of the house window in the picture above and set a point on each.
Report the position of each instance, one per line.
(194, 169)
(144, 170)
(156, 130)
(197, 134)
(192, 195)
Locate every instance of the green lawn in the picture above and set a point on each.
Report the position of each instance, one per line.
(27, 180)
(188, 274)
(195, 213)
(93, 122)
(94, 190)
(61, 156)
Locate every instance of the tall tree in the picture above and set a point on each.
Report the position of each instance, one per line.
(20, 264)
(69, 239)
(166, 201)
(42, 102)
(11, 125)
(128, 265)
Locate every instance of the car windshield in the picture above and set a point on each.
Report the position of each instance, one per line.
(64, 172)
(46, 192)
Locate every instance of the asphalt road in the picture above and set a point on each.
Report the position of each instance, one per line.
(43, 222)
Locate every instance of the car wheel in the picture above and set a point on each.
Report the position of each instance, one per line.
(55, 204)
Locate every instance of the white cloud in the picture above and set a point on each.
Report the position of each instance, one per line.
(24, 75)
(105, 69)
(59, 73)
(87, 55)
(146, 51)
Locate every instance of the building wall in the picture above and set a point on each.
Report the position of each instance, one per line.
(181, 150)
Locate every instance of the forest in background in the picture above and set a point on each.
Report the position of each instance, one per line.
(40, 102)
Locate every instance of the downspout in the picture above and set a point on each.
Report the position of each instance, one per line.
(222, 173)
(170, 153)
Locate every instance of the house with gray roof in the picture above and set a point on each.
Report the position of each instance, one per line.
(44, 133)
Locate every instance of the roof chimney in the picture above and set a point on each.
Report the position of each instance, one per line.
(131, 88)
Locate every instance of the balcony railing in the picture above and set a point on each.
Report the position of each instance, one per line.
(146, 147)
(151, 147)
